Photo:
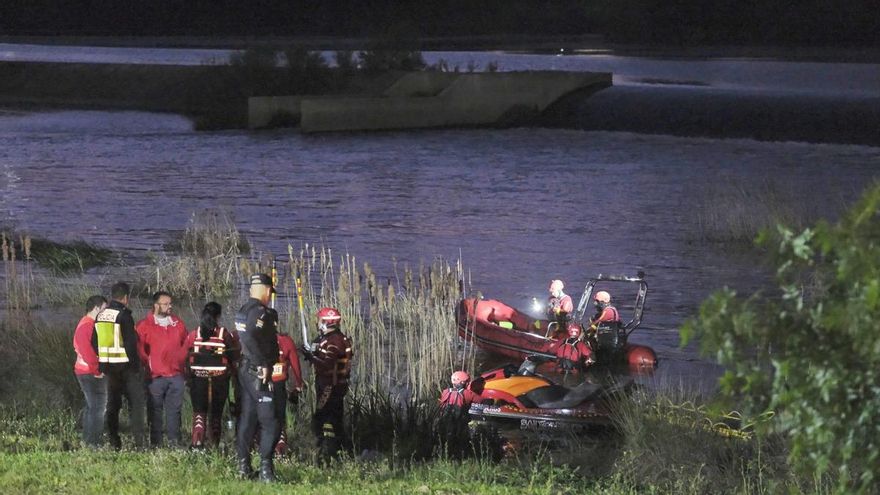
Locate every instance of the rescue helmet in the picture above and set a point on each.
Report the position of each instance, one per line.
(329, 317)
(574, 330)
(460, 378)
(603, 297)
(556, 286)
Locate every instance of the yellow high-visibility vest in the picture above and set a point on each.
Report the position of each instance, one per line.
(109, 332)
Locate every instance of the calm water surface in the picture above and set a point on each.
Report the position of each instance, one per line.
(520, 206)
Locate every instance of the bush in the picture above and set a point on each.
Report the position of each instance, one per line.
(811, 353)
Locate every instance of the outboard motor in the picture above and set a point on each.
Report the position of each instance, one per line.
(527, 368)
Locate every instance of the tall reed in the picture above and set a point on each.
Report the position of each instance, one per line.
(206, 264)
(403, 328)
(19, 276)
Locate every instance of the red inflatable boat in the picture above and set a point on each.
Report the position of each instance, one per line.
(501, 329)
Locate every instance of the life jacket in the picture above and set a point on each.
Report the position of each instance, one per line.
(570, 355)
(111, 348)
(208, 357)
(458, 398)
(330, 364)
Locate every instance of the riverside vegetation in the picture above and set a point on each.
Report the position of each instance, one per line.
(801, 364)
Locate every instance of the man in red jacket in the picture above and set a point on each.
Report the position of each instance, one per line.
(92, 382)
(161, 345)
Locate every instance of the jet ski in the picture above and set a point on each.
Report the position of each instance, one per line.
(538, 403)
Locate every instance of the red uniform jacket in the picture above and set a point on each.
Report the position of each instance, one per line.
(161, 348)
(562, 305)
(332, 359)
(288, 362)
(86, 357)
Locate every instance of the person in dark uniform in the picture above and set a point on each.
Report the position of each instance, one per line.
(330, 355)
(116, 342)
(256, 324)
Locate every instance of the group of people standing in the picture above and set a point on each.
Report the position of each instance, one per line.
(249, 367)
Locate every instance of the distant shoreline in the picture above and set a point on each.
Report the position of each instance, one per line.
(581, 44)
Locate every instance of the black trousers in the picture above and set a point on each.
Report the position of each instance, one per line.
(129, 383)
(257, 408)
(330, 411)
(208, 395)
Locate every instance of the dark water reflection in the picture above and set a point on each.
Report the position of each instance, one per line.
(520, 206)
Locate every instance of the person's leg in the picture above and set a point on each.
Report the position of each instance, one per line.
(198, 394)
(134, 389)
(219, 394)
(115, 388)
(279, 398)
(270, 428)
(95, 393)
(247, 423)
(158, 389)
(173, 405)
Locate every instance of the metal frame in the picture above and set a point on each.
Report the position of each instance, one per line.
(639, 307)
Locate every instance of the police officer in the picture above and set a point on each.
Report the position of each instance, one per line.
(116, 342)
(257, 329)
(330, 355)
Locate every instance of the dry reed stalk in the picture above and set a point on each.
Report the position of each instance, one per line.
(404, 339)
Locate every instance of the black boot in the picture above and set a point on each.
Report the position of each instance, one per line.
(245, 471)
(267, 471)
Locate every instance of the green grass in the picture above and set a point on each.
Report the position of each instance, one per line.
(184, 472)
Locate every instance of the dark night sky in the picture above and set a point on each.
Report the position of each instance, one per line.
(686, 22)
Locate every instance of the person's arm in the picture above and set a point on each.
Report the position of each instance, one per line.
(83, 337)
(295, 369)
(261, 332)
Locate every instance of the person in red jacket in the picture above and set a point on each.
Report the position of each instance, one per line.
(286, 367)
(605, 312)
(92, 382)
(161, 339)
(212, 353)
(459, 397)
(559, 306)
(330, 355)
(573, 354)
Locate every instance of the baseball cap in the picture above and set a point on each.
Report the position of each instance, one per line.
(261, 279)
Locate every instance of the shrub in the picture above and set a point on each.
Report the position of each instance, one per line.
(811, 352)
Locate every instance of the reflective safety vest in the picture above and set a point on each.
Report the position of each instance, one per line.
(208, 357)
(110, 346)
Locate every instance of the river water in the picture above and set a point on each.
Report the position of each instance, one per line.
(520, 206)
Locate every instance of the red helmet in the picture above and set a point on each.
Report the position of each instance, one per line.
(556, 285)
(574, 330)
(603, 297)
(329, 317)
(460, 377)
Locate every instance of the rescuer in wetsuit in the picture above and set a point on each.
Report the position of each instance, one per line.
(257, 329)
(573, 354)
(330, 355)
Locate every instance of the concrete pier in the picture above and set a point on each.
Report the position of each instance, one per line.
(421, 100)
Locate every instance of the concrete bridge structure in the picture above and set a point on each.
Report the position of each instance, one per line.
(420, 100)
